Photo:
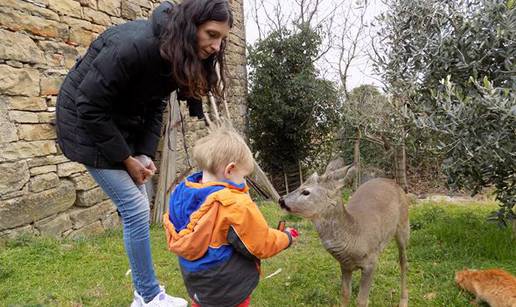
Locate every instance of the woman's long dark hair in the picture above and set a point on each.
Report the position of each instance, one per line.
(195, 77)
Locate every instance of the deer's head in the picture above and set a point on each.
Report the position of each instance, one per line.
(319, 192)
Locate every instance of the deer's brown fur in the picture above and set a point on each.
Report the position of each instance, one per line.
(356, 233)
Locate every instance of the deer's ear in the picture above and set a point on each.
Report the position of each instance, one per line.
(313, 179)
(350, 174)
(334, 165)
(343, 173)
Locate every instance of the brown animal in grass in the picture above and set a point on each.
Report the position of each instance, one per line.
(495, 287)
(357, 233)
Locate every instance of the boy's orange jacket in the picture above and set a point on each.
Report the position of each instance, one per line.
(209, 226)
(217, 227)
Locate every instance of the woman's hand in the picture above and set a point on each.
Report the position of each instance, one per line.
(152, 167)
(147, 162)
(137, 170)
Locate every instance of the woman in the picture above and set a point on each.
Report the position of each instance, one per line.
(110, 109)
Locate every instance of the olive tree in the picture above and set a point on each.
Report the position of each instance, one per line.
(453, 63)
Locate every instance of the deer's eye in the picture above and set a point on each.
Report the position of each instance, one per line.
(305, 192)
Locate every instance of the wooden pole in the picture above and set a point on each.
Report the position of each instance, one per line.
(300, 173)
(168, 167)
(286, 180)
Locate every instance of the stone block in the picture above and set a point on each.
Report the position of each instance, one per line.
(68, 168)
(15, 194)
(88, 4)
(23, 150)
(47, 117)
(92, 229)
(88, 230)
(76, 22)
(19, 81)
(13, 176)
(8, 132)
(16, 232)
(235, 59)
(50, 85)
(34, 207)
(79, 36)
(56, 159)
(111, 7)
(16, 21)
(66, 7)
(37, 132)
(54, 226)
(38, 170)
(90, 197)
(146, 3)
(23, 117)
(55, 59)
(83, 182)
(130, 10)
(97, 17)
(43, 182)
(56, 52)
(24, 103)
(117, 20)
(15, 64)
(111, 221)
(82, 217)
(19, 47)
(32, 9)
(51, 101)
(6, 126)
(97, 29)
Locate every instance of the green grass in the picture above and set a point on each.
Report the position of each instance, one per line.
(91, 272)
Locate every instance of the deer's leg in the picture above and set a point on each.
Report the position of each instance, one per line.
(346, 285)
(402, 236)
(365, 284)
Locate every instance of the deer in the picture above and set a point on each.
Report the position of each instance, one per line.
(355, 234)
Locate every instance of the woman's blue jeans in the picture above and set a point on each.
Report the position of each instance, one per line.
(133, 205)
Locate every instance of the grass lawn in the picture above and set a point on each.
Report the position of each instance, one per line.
(92, 272)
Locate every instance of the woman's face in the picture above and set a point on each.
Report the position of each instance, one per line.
(210, 36)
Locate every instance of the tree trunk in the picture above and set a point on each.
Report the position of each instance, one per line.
(400, 166)
(356, 159)
(300, 173)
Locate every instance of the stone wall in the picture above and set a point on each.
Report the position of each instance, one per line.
(41, 192)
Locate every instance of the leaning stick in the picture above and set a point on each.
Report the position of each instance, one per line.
(259, 174)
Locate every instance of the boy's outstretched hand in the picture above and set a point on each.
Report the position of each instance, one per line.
(293, 232)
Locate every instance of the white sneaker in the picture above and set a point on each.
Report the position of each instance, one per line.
(162, 299)
(137, 300)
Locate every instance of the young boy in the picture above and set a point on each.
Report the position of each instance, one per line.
(215, 228)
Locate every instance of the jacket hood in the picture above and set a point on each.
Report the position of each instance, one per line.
(190, 194)
(160, 17)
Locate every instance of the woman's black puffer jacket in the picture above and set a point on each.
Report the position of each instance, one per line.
(111, 103)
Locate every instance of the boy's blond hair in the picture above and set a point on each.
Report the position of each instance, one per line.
(220, 147)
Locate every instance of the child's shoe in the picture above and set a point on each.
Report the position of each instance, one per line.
(162, 299)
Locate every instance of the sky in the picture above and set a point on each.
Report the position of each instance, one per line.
(360, 72)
